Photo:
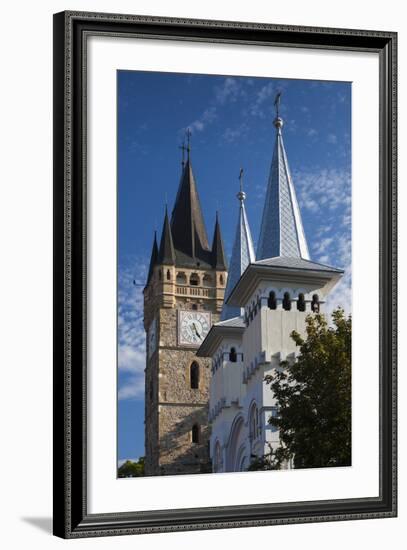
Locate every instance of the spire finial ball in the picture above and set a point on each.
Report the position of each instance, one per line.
(241, 196)
(278, 123)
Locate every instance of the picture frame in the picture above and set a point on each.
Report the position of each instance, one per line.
(71, 516)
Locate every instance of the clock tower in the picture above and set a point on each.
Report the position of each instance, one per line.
(183, 297)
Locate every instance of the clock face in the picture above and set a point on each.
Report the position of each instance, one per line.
(193, 326)
(152, 338)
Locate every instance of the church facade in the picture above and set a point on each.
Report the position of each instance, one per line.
(214, 334)
(266, 298)
(183, 297)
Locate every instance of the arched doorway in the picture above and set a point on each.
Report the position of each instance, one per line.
(236, 446)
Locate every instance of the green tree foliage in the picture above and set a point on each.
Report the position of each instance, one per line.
(314, 398)
(132, 469)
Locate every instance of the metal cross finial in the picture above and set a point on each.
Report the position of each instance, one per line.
(183, 148)
(277, 103)
(188, 134)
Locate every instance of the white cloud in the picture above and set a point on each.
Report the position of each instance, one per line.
(321, 245)
(206, 118)
(232, 134)
(311, 132)
(133, 388)
(333, 186)
(332, 139)
(131, 335)
(230, 90)
(342, 293)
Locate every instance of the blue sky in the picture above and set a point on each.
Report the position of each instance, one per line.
(231, 119)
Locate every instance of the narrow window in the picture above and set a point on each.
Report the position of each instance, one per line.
(254, 422)
(315, 303)
(194, 376)
(287, 301)
(221, 280)
(301, 302)
(232, 355)
(272, 302)
(168, 275)
(181, 278)
(195, 433)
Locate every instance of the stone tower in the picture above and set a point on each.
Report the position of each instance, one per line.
(183, 297)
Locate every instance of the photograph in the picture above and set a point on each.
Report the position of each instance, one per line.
(234, 274)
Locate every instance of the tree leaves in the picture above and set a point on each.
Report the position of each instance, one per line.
(314, 397)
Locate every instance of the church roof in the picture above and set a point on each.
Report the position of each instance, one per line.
(234, 322)
(296, 263)
(218, 251)
(242, 256)
(291, 270)
(187, 222)
(281, 232)
(166, 254)
(232, 328)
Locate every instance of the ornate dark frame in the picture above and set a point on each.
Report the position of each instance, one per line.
(71, 518)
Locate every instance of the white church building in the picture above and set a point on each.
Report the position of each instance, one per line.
(266, 298)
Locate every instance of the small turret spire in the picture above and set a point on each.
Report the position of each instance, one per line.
(218, 250)
(153, 258)
(242, 253)
(166, 253)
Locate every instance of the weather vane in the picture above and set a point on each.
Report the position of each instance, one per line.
(277, 103)
(241, 179)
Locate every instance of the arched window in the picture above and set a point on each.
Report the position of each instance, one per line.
(194, 279)
(287, 301)
(254, 422)
(221, 280)
(232, 355)
(168, 275)
(181, 278)
(272, 302)
(207, 280)
(315, 303)
(301, 302)
(194, 375)
(195, 433)
(194, 307)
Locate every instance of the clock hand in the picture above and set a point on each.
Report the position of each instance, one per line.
(196, 331)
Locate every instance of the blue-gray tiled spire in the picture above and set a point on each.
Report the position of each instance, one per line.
(242, 255)
(281, 233)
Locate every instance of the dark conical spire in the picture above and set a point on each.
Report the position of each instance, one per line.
(187, 223)
(218, 251)
(153, 258)
(166, 254)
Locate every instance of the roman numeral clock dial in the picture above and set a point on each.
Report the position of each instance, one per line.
(193, 326)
